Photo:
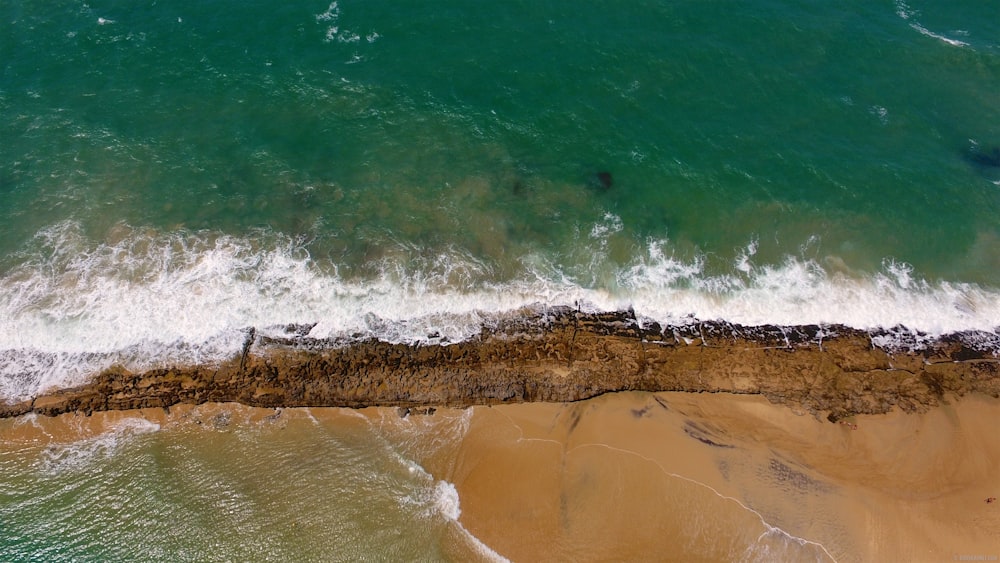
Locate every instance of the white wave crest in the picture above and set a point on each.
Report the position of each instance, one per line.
(924, 31)
(446, 500)
(801, 291)
(908, 14)
(72, 306)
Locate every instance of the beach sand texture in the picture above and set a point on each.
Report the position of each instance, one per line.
(666, 476)
(634, 476)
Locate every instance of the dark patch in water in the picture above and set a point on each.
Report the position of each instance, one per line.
(519, 188)
(601, 181)
(405, 412)
(222, 420)
(989, 158)
(604, 180)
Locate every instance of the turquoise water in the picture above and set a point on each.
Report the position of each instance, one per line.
(362, 122)
(173, 172)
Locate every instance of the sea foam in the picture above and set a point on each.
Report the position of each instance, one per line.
(72, 306)
(76, 455)
(905, 12)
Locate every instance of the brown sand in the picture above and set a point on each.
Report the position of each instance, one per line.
(678, 476)
(702, 477)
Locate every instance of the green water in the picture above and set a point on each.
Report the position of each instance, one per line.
(174, 172)
(480, 125)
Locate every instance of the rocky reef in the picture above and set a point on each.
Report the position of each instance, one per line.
(562, 354)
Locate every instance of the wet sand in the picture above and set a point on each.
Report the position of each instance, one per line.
(668, 476)
(676, 476)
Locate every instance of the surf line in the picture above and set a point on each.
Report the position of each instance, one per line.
(378, 427)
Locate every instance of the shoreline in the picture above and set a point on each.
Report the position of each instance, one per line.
(565, 355)
(712, 476)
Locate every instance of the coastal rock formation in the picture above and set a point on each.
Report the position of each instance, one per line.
(561, 354)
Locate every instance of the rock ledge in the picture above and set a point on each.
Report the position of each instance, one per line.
(565, 355)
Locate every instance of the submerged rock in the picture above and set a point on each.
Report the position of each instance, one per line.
(989, 158)
(602, 180)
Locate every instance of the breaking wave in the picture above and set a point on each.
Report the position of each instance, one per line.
(72, 306)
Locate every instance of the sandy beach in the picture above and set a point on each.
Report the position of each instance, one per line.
(674, 476)
(664, 476)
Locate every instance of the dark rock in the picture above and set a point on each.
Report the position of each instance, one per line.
(562, 354)
(601, 181)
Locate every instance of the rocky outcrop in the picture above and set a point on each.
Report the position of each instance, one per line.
(565, 355)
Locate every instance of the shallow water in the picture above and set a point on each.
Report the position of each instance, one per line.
(222, 483)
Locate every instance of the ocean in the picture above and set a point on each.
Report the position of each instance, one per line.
(172, 173)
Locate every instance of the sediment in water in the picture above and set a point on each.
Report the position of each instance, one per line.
(561, 355)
